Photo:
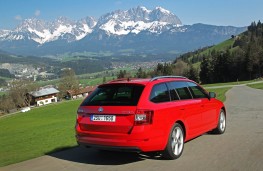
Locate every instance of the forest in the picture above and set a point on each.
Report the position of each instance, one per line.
(243, 60)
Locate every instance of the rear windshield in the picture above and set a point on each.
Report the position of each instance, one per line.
(115, 95)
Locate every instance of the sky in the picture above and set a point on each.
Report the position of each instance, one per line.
(214, 12)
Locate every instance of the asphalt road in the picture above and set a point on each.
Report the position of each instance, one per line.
(240, 148)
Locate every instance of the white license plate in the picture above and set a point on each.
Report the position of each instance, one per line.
(103, 118)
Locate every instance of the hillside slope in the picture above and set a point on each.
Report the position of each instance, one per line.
(239, 58)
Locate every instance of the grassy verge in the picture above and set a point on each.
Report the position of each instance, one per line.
(37, 132)
(229, 83)
(220, 93)
(257, 86)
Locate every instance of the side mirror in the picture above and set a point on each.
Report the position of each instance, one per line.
(212, 94)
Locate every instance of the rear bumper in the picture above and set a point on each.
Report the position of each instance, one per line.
(141, 139)
(112, 148)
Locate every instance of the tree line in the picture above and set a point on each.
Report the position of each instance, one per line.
(179, 68)
(243, 61)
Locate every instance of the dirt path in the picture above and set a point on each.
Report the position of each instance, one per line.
(240, 148)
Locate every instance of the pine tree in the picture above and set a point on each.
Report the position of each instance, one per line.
(206, 72)
(192, 73)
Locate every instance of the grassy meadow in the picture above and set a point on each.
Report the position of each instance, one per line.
(37, 132)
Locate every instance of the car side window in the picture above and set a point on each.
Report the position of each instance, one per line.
(160, 93)
(174, 94)
(180, 89)
(196, 90)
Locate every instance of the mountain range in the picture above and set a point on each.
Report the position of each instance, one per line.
(137, 30)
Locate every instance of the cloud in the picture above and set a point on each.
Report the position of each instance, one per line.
(18, 17)
(37, 13)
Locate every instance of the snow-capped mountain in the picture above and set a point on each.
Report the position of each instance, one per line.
(42, 31)
(138, 19)
(157, 30)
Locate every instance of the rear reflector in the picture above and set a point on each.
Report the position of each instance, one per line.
(143, 117)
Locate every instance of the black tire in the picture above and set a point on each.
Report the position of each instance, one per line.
(175, 144)
(221, 125)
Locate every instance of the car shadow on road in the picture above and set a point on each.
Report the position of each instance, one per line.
(100, 157)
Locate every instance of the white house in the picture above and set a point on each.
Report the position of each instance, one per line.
(44, 96)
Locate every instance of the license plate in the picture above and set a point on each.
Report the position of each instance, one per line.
(103, 118)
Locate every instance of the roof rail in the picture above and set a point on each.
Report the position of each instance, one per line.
(159, 77)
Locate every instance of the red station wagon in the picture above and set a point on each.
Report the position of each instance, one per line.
(146, 115)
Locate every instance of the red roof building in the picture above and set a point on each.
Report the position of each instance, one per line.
(80, 93)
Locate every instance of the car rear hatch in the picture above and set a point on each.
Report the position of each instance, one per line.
(110, 109)
(117, 119)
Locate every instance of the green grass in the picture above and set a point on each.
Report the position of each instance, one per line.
(94, 54)
(229, 83)
(224, 45)
(220, 47)
(197, 65)
(5, 78)
(2, 93)
(38, 132)
(257, 86)
(220, 93)
(71, 58)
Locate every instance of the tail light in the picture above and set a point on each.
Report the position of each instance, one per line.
(143, 117)
(80, 115)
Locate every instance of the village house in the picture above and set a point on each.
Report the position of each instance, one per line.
(44, 96)
(80, 93)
